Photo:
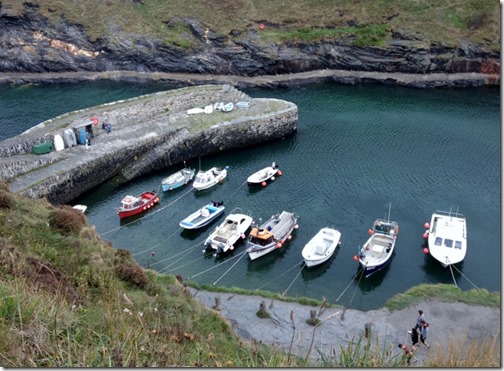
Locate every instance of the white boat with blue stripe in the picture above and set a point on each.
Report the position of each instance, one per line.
(203, 216)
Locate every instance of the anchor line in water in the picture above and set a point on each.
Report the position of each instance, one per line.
(295, 278)
(150, 214)
(453, 276)
(226, 272)
(218, 265)
(463, 275)
(184, 253)
(183, 265)
(158, 244)
(284, 273)
(346, 288)
(356, 286)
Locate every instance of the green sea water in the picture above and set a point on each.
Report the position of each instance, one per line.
(357, 149)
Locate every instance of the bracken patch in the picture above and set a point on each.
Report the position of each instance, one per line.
(67, 220)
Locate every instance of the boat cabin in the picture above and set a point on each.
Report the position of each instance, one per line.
(260, 236)
(130, 203)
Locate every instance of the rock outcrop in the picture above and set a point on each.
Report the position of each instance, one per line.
(65, 48)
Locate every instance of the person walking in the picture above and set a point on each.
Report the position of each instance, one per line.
(408, 354)
(414, 338)
(419, 320)
(424, 331)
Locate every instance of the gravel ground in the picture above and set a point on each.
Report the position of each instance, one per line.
(447, 321)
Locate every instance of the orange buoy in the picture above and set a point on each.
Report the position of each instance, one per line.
(425, 235)
(279, 173)
(427, 225)
(355, 258)
(370, 231)
(263, 184)
(279, 245)
(261, 26)
(426, 250)
(289, 237)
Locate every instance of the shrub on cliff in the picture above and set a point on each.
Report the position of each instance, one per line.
(6, 199)
(128, 270)
(67, 220)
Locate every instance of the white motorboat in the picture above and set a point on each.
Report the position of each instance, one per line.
(203, 216)
(208, 109)
(271, 235)
(447, 237)
(223, 238)
(321, 247)
(209, 178)
(377, 251)
(195, 111)
(218, 106)
(264, 174)
(242, 104)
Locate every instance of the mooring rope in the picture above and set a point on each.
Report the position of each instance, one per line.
(287, 271)
(453, 276)
(353, 279)
(215, 266)
(228, 270)
(149, 214)
(465, 277)
(356, 286)
(183, 265)
(149, 249)
(183, 252)
(295, 278)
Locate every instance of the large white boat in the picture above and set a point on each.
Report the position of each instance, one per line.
(321, 247)
(378, 249)
(223, 238)
(447, 237)
(271, 235)
(209, 178)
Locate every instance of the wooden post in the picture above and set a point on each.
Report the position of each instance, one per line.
(367, 330)
(313, 315)
(262, 307)
(217, 305)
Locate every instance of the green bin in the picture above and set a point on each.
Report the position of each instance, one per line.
(41, 148)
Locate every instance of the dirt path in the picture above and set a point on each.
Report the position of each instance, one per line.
(418, 80)
(447, 321)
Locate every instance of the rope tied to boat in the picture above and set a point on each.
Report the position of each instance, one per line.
(295, 278)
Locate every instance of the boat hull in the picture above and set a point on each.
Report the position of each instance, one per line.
(177, 180)
(447, 238)
(149, 200)
(321, 247)
(224, 237)
(280, 226)
(207, 179)
(198, 220)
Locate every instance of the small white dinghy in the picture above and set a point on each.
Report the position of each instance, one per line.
(81, 208)
(59, 144)
(208, 109)
(194, 111)
(228, 107)
(264, 174)
(321, 247)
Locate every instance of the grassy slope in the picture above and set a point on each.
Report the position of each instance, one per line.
(371, 22)
(69, 299)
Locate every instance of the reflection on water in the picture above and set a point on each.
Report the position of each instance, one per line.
(371, 283)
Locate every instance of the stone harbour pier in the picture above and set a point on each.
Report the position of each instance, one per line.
(150, 132)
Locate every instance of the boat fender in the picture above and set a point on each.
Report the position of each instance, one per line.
(144, 208)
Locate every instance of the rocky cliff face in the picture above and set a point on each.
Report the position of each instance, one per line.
(30, 43)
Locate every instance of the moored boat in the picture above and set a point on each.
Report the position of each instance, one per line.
(133, 205)
(209, 178)
(223, 238)
(81, 208)
(228, 107)
(264, 175)
(447, 237)
(378, 249)
(271, 235)
(321, 246)
(203, 216)
(178, 179)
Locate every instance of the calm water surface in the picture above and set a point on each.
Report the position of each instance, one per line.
(357, 149)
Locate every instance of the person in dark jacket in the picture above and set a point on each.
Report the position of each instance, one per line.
(414, 338)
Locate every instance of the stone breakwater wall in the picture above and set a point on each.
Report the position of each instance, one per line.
(150, 132)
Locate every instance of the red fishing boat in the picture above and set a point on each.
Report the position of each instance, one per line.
(131, 205)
